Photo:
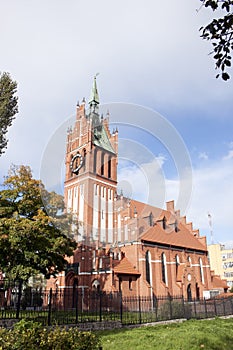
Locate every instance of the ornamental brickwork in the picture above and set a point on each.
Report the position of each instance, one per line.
(124, 245)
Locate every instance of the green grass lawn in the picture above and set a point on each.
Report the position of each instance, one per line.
(190, 335)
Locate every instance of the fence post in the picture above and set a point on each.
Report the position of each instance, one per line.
(121, 307)
(155, 306)
(50, 306)
(140, 311)
(224, 307)
(183, 304)
(215, 308)
(76, 305)
(19, 298)
(231, 299)
(206, 314)
(100, 310)
(195, 308)
(170, 305)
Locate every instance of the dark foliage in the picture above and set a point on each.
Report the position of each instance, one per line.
(8, 107)
(220, 32)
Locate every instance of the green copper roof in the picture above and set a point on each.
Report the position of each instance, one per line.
(94, 97)
(100, 138)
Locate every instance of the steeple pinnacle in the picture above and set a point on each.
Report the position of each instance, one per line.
(94, 97)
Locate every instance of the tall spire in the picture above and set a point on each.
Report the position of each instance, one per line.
(94, 98)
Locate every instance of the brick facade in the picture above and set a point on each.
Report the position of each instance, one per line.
(123, 245)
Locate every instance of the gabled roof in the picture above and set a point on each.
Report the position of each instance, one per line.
(124, 267)
(183, 238)
(100, 139)
(144, 210)
(217, 282)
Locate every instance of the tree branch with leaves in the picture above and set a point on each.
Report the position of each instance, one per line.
(30, 242)
(220, 32)
(8, 107)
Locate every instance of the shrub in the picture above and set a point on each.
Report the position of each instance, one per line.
(28, 335)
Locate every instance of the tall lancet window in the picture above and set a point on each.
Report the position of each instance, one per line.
(164, 268)
(109, 167)
(177, 264)
(94, 161)
(201, 270)
(102, 163)
(84, 159)
(148, 267)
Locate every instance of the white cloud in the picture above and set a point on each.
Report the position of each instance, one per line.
(147, 54)
(212, 193)
(144, 182)
(229, 155)
(203, 155)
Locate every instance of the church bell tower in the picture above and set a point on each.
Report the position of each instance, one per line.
(91, 173)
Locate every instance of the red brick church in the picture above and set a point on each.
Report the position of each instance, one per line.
(124, 245)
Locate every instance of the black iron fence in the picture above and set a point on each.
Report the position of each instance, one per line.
(79, 305)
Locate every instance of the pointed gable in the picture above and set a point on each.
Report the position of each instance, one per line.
(124, 267)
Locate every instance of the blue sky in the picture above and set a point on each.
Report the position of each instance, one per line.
(148, 54)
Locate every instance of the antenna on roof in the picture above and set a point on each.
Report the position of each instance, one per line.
(211, 228)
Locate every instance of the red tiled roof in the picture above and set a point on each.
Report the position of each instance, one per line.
(183, 238)
(224, 295)
(125, 267)
(144, 209)
(217, 282)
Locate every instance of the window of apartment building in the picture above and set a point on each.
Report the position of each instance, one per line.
(228, 274)
(228, 265)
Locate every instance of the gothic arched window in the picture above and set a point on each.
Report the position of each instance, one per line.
(189, 261)
(109, 167)
(84, 159)
(130, 283)
(164, 268)
(94, 161)
(177, 264)
(102, 164)
(201, 270)
(148, 267)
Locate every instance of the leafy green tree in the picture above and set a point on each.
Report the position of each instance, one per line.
(220, 32)
(55, 208)
(30, 242)
(8, 106)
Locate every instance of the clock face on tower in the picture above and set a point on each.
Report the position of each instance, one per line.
(76, 163)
